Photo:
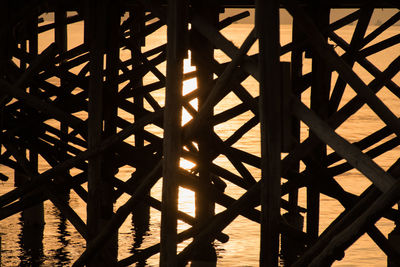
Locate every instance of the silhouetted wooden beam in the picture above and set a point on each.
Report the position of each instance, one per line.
(184, 235)
(68, 164)
(146, 31)
(234, 82)
(382, 45)
(132, 46)
(300, 43)
(219, 222)
(320, 92)
(352, 154)
(356, 102)
(141, 90)
(216, 38)
(340, 223)
(232, 112)
(102, 16)
(205, 207)
(348, 217)
(239, 133)
(67, 211)
(72, 53)
(220, 85)
(232, 19)
(373, 153)
(176, 34)
(41, 105)
(329, 3)
(350, 234)
(355, 44)
(120, 215)
(64, 21)
(334, 61)
(339, 117)
(379, 30)
(134, 20)
(157, 205)
(384, 244)
(267, 25)
(362, 144)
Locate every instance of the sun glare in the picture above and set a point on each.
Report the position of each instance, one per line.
(186, 197)
(188, 86)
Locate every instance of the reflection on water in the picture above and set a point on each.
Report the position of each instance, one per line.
(30, 241)
(140, 229)
(62, 255)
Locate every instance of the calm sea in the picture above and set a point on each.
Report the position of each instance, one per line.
(62, 244)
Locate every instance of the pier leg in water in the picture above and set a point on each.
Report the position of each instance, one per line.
(141, 214)
(205, 255)
(291, 249)
(60, 38)
(103, 17)
(394, 240)
(32, 218)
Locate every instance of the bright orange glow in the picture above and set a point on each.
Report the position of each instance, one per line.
(188, 86)
(186, 197)
(186, 201)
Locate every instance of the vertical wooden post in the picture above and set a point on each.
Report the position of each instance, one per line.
(394, 238)
(291, 248)
(141, 214)
(177, 27)
(32, 218)
(100, 189)
(110, 108)
(205, 255)
(267, 25)
(296, 73)
(37, 212)
(321, 82)
(60, 38)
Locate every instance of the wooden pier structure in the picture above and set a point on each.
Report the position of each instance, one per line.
(62, 104)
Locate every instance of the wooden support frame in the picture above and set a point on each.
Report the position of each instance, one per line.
(108, 92)
(177, 28)
(100, 201)
(267, 25)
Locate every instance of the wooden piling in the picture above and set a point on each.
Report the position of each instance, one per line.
(320, 92)
(267, 25)
(141, 214)
(61, 41)
(100, 190)
(176, 32)
(290, 248)
(103, 88)
(206, 254)
(32, 218)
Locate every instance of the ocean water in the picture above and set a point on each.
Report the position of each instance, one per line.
(62, 244)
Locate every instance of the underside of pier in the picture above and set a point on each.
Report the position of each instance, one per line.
(93, 104)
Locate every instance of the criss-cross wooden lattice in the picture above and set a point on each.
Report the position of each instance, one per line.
(109, 102)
